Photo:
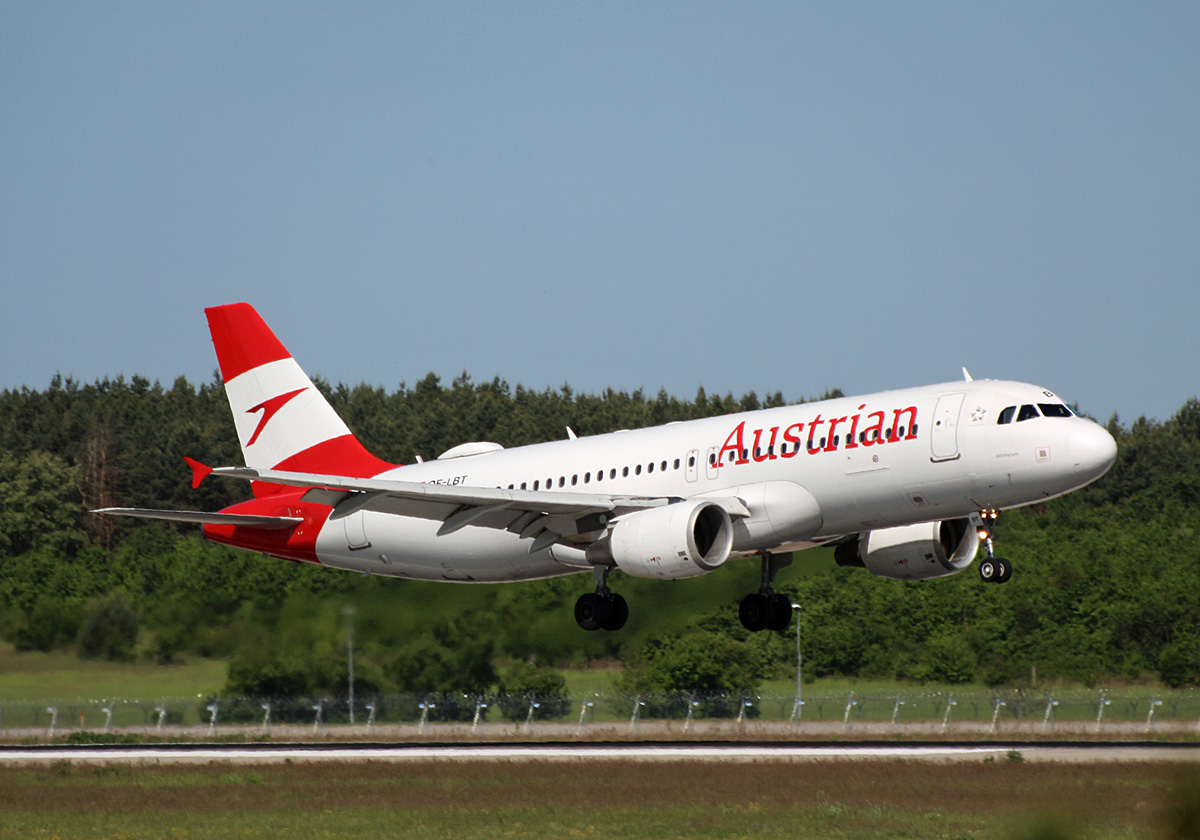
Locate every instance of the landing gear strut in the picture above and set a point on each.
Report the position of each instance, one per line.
(992, 569)
(602, 609)
(765, 609)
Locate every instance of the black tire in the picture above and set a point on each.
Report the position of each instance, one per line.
(1005, 572)
(755, 612)
(591, 611)
(781, 616)
(618, 613)
(988, 570)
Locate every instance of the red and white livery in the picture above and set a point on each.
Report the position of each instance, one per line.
(905, 483)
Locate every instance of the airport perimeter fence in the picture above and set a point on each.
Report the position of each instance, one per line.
(943, 710)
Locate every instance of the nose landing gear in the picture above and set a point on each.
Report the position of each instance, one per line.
(602, 609)
(765, 609)
(992, 569)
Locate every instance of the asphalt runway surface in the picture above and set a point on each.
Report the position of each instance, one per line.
(1069, 752)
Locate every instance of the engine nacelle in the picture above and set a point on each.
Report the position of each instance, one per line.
(680, 540)
(913, 552)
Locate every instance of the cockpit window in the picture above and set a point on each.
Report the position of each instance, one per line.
(1027, 412)
(1054, 410)
(1006, 415)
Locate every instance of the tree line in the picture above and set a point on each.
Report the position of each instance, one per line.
(1107, 584)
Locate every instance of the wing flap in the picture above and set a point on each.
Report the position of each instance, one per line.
(571, 504)
(242, 520)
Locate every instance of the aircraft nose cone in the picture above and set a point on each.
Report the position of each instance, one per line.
(1093, 451)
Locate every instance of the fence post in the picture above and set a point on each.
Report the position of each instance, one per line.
(1049, 712)
(1104, 702)
(1154, 704)
(996, 713)
(950, 704)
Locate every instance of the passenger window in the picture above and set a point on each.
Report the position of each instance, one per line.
(587, 478)
(637, 470)
(561, 480)
(1054, 410)
(1006, 415)
(535, 485)
(625, 472)
(650, 467)
(663, 466)
(612, 473)
(523, 487)
(1027, 412)
(574, 479)
(677, 463)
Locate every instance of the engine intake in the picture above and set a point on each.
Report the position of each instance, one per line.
(913, 552)
(675, 541)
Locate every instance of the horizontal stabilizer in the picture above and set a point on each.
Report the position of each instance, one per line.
(242, 520)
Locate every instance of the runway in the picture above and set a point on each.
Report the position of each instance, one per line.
(1067, 752)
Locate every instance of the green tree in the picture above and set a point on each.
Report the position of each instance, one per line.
(109, 628)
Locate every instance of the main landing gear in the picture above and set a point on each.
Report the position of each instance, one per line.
(992, 569)
(765, 609)
(602, 609)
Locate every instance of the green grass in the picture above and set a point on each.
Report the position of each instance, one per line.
(35, 677)
(587, 800)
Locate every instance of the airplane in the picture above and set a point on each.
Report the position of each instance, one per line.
(906, 484)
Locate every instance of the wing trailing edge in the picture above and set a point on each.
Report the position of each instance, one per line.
(238, 520)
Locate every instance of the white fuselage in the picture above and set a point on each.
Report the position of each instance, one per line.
(807, 474)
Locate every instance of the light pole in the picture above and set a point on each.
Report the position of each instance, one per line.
(348, 612)
(1104, 701)
(798, 708)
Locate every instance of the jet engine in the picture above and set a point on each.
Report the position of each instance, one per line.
(679, 540)
(913, 552)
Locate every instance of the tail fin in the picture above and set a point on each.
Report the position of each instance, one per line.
(283, 422)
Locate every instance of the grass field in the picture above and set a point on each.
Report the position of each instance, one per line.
(29, 682)
(34, 677)
(583, 800)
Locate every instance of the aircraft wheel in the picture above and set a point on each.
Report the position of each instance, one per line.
(1005, 571)
(618, 613)
(989, 570)
(755, 612)
(592, 610)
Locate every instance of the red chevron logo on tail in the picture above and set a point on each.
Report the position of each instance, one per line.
(269, 409)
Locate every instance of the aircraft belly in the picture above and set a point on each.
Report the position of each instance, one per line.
(405, 547)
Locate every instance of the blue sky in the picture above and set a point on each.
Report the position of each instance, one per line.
(767, 196)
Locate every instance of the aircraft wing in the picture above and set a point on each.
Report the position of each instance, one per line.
(245, 520)
(546, 516)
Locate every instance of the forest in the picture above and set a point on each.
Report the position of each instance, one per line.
(1106, 590)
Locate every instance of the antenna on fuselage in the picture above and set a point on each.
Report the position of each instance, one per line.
(571, 433)
(967, 375)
